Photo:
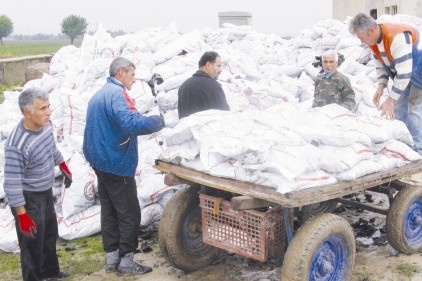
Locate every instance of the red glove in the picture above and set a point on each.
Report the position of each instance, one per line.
(66, 173)
(27, 225)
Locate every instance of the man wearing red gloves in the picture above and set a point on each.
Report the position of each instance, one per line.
(30, 157)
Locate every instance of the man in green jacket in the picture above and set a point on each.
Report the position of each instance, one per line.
(331, 86)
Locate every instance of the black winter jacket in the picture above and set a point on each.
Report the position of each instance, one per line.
(200, 92)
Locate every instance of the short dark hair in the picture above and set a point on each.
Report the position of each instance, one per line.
(209, 56)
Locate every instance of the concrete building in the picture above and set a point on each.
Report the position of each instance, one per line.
(348, 8)
(234, 17)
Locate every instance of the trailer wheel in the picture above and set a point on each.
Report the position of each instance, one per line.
(322, 249)
(180, 232)
(317, 208)
(404, 221)
(164, 220)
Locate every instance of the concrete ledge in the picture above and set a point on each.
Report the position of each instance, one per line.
(12, 70)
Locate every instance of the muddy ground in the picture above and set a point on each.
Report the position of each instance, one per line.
(376, 260)
(372, 264)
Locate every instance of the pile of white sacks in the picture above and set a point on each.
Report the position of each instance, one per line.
(271, 136)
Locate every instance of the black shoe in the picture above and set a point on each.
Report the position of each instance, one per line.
(135, 269)
(145, 247)
(58, 276)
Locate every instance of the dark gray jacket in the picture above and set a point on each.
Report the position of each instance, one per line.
(200, 92)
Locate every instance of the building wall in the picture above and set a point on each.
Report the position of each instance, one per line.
(348, 8)
(13, 70)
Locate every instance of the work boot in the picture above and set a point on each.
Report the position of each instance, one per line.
(113, 261)
(128, 267)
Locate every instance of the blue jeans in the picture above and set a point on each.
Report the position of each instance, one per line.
(408, 109)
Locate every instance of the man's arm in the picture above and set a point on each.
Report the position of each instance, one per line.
(348, 95)
(401, 50)
(13, 176)
(132, 121)
(218, 99)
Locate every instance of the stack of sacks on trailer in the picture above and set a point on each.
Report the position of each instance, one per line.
(288, 146)
(268, 81)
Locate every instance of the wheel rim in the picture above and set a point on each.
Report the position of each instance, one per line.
(192, 232)
(413, 224)
(330, 260)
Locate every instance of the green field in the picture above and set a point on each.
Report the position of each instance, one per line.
(21, 48)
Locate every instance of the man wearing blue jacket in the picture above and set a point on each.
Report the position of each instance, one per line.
(111, 147)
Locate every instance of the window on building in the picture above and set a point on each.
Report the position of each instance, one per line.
(373, 13)
(394, 9)
(387, 10)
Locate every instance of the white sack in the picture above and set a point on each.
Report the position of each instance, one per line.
(81, 194)
(82, 224)
(151, 214)
(8, 238)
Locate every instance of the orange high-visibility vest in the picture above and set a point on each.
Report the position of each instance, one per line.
(389, 31)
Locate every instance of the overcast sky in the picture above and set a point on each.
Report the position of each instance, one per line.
(283, 17)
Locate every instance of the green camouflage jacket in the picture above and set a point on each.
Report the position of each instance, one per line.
(335, 89)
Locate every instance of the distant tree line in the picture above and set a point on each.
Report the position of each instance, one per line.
(72, 26)
(38, 36)
(43, 36)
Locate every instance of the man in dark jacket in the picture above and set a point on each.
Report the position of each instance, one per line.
(202, 91)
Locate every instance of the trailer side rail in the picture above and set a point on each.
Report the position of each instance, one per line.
(295, 198)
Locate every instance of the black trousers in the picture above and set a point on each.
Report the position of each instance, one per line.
(38, 256)
(120, 212)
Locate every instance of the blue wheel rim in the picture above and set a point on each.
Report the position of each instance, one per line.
(329, 262)
(413, 224)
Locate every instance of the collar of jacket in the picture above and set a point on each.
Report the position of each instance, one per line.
(328, 75)
(115, 81)
(201, 73)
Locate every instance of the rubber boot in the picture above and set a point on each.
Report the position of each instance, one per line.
(113, 261)
(128, 267)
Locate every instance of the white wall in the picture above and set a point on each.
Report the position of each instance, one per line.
(344, 8)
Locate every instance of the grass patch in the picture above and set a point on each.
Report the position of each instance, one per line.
(9, 87)
(10, 266)
(81, 257)
(408, 269)
(21, 48)
(78, 257)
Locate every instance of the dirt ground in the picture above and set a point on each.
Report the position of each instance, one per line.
(375, 260)
(372, 264)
